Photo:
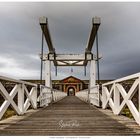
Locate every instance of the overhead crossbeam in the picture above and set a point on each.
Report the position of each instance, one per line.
(69, 59)
(45, 29)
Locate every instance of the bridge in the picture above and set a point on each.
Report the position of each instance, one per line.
(42, 110)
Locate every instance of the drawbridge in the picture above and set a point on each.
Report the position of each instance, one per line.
(42, 110)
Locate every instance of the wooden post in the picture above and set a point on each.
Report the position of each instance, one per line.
(48, 73)
(92, 73)
(116, 100)
(21, 98)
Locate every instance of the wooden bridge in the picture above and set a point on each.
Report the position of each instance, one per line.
(55, 113)
(69, 116)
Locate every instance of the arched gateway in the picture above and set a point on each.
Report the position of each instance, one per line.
(70, 83)
(71, 91)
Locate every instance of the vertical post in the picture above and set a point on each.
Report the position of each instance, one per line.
(85, 70)
(97, 58)
(92, 81)
(48, 73)
(34, 97)
(92, 73)
(21, 98)
(42, 44)
(116, 100)
(103, 97)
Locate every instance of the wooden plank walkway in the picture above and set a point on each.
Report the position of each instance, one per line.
(69, 117)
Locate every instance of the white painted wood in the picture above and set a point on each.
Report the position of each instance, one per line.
(48, 95)
(90, 95)
(92, 80)
(48, 73)
(116, 100)
(7, 97)
(117, 89)
(19, 89)
(30, 100)
(94, 96)
(45, 96)
(133, 76)
(17, 81)
(6, 103)
(83, 95)
(68, 57)
(21, 98)
(58, 95)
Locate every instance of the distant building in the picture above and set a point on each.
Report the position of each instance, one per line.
(70, 85)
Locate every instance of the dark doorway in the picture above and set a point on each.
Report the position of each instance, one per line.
(71, 91)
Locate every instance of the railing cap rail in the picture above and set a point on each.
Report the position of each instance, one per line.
(51, 88)
(133, 76)
(17, 81)
(45, 86)
(83, 90)
(96, 86)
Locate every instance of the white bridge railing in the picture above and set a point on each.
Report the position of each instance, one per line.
(94, 96)
(58, 95)
(20, 95)
(45, 96)
(90, 95)
(115, 95)
(48, 95)
(83, 95)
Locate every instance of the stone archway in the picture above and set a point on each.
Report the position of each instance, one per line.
(71, 91)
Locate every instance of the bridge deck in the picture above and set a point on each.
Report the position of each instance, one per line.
(70, 116)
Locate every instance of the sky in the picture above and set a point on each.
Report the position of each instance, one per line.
(70, 25)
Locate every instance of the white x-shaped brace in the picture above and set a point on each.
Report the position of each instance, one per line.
(127, 99)
(108, 97)
(29, 101)
(9, 99)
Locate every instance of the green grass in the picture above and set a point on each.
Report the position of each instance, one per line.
(126, 112)
(8, 113)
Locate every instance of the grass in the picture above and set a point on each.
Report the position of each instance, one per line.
(8, 113)
(126, 112)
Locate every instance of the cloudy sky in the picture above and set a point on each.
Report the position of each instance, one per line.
(70, 25)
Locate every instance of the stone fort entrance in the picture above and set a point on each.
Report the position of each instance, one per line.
(70, 85)
(71, 91)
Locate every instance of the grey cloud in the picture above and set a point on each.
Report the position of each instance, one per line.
(70, 24)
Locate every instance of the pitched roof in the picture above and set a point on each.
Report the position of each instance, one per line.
(71, 77)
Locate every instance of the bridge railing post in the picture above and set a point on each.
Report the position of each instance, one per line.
(21, 98)
(83, 95)
(92, 73)
(48, 73)
(58, 95)
(116, 91)
(94, 95)
(45, 95)
(19, 94)
(34, 97)
(116, 100)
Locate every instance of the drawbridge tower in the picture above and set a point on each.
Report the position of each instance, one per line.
(69, 59)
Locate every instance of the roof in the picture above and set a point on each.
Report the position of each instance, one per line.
(71, 79)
